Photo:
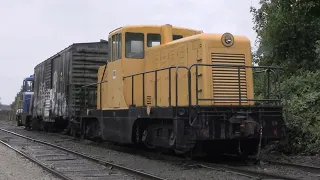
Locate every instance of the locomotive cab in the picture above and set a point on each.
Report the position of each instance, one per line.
(25, 104)
(128, 46)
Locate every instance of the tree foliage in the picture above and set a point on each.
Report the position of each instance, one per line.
(288, 34)
(303, 107)
(14, 104)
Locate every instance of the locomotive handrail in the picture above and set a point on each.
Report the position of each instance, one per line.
(189, 69)
(86, 86)
(155, 83)
(92, 84)
(268, 68)
(229, 65)
(238, 67)
(276, 85)
(147, 72)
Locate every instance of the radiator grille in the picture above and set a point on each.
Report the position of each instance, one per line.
(225, 79)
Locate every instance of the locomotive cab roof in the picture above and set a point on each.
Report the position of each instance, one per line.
(132, 41)
(151, 28)
(30, 78)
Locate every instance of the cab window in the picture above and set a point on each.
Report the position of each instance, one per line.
(134, 45)
(153, 40)
(175, 37)
(115, 47)
(110, 50)
(28, 86)
(119, 46)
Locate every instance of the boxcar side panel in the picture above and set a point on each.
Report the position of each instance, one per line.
(86, 59)
(42, 89)
(58, 80)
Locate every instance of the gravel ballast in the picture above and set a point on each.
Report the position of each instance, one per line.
(13, 166)
(156, 167)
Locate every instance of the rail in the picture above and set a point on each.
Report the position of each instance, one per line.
(139, 173)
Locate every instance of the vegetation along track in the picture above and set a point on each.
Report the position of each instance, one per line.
(262, 169)
(65, 163)
(306, 168)
(243, 171)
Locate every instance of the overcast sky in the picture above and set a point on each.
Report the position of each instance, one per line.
(33, 30)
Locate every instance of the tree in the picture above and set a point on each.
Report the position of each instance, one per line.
(288, 34)
(14, 104)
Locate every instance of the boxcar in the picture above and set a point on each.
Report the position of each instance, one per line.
(58, 80)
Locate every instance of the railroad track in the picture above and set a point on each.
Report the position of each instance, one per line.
(67, 164)
(260, 174)
(307, 168)
(293, 165)
(251, 172)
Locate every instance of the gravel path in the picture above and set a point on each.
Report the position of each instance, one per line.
(15, 167)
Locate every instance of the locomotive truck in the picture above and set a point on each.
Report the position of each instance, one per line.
(171, 88)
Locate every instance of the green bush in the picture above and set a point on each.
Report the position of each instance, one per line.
(303, 109)
(287, 34)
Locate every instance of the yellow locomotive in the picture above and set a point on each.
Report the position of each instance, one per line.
(180, 89)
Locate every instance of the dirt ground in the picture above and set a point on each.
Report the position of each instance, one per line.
(13, 166)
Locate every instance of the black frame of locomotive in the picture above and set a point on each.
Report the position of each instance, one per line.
(191, 116)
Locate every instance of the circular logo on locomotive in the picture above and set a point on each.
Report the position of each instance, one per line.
(227, 39)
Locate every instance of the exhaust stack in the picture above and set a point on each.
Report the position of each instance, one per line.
(166, 33)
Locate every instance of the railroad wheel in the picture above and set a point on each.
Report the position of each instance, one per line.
(189, 155)
(145, 139)
(47, 126)
(73, 130)
(92, 130)
(172, 139)
(27, 126)
(247, 148)
(35, 124)
(137, 134)
(19, 121)
(73, 133)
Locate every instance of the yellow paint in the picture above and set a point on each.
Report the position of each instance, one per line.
(194, 48)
